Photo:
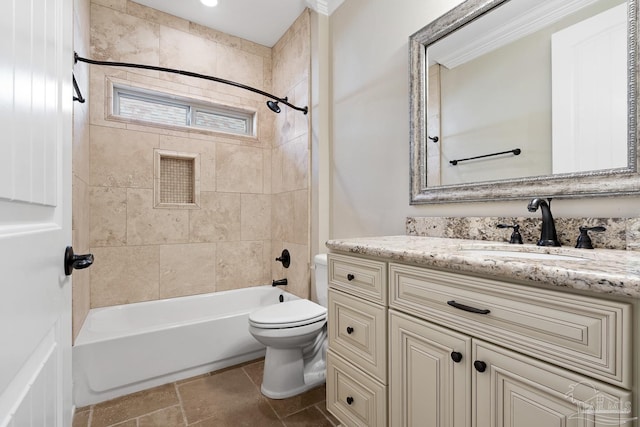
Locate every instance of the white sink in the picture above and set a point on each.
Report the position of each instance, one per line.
(527, 255)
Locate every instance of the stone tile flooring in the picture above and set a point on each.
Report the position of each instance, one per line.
(227, 398)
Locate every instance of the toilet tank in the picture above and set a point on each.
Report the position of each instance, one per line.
(322, 282)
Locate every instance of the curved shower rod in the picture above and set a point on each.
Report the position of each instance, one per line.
(273, 106)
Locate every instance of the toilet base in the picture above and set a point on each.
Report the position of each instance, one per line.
(285, 374)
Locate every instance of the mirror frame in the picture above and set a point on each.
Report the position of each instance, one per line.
(607, 182)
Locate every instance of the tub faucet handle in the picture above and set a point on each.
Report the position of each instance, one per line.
(285, 258)
(279, 282)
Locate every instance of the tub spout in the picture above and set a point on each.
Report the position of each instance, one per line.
(280, 282)
(548, 236)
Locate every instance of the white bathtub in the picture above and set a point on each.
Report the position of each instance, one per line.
(132, 347)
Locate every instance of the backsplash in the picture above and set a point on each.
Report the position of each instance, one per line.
(621, 233)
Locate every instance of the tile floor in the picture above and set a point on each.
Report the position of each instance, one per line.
(227, 398)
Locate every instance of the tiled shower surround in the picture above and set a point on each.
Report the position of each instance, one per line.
(621, 233)
(253, 191)
(80, 166)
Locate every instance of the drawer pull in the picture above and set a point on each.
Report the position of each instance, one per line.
(456, 356)
(350, 277)
(349, 330)
(468, 308)
(349, 400)
(480, 366)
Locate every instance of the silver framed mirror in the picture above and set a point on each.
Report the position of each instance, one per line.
(431, 180)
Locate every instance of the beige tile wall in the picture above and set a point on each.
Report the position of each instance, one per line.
(254, 198)
(80, 166)
(290, 157)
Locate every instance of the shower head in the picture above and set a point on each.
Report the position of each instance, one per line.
(273, 106)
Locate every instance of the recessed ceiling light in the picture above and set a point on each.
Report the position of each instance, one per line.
(210, 3)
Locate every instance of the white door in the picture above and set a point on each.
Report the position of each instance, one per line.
(589, 93)
(35, 212)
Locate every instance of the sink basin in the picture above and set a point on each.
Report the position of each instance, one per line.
(526, 255)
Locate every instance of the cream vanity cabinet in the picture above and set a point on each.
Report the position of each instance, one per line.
(357, 329)
(469, 351)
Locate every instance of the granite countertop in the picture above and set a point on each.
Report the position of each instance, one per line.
(602, 271)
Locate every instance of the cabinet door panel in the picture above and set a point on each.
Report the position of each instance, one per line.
(518, 391)
(427, 388)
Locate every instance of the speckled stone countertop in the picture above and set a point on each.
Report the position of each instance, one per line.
(602, 271)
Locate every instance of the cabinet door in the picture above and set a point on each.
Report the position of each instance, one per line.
(512, 390)
(429, 386)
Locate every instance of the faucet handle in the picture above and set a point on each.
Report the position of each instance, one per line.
(584, 241)
(515, 236)
(285, 258)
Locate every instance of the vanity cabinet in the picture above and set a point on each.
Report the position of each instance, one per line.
(416, 346)
(443, 368)
(357, 329)
(588, 335)
(443, 378)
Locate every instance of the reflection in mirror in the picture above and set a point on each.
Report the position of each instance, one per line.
(524, 95)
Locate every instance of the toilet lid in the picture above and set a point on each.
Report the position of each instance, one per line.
(288, 314)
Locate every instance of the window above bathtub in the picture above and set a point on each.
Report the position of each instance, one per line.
(144, 106)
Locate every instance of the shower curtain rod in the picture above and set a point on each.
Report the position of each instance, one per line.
(284, 100)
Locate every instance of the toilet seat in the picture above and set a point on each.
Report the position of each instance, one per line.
(288, 314)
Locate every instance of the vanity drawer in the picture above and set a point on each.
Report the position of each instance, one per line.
(361, 277)
(353, 397)
(588, 335)
(358, 332)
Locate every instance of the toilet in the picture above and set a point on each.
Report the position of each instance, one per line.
(295, 334)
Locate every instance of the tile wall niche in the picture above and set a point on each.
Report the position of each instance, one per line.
(251, 188)
(621, 233)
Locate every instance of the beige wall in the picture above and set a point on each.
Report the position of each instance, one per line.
(474, 123)
(472, 126)
(144, 253)
(81, 175)
(370, 120)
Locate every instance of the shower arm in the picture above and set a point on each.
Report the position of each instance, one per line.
(284, 100)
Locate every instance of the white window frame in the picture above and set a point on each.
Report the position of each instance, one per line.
(190, 105)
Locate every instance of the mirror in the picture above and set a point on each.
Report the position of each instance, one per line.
(574, 64)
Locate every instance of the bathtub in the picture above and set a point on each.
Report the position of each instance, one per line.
(131, 347)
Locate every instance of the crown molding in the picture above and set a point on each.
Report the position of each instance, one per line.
(324, 7)
(488, 36)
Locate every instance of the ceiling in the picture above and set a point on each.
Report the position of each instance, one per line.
(260, 21)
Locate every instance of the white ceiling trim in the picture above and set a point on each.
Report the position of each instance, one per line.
(325, 7)
(516, 24)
